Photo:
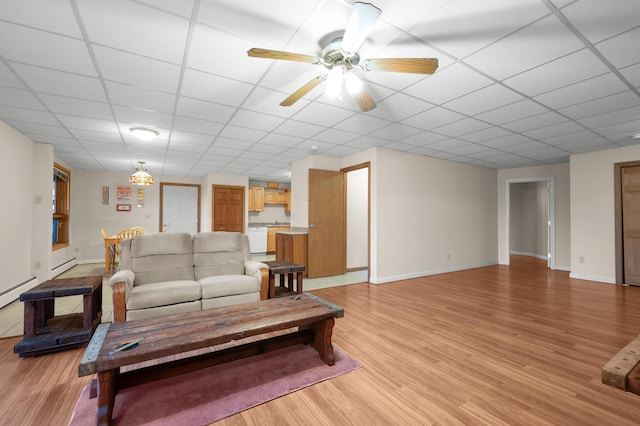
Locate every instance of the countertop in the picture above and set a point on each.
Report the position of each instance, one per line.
(295, 232)
(268, 224)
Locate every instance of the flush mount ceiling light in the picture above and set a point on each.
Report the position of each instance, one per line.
(143, 133)
(141, 177)
(636, 136)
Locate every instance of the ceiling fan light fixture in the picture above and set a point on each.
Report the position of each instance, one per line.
(353, 83)
(361, 21)
(334, 82)
(143, 133)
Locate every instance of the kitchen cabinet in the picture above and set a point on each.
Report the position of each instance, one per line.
(292, 247)
(271, 237)
(256, 199)
(278, 197)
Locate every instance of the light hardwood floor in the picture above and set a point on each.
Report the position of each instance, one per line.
(517, 345)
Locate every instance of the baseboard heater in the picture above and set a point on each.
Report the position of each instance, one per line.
(64, 266)
(17, 285)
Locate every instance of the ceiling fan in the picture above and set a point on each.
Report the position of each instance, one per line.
(341, 56)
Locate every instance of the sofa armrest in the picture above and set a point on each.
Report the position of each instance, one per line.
(121, 283)
(260, 271)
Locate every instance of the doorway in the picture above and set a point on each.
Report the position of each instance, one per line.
(627, 222)
(542, 223)
(179, 207)
(228, 208)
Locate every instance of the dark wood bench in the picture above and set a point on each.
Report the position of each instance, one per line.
(300, 319)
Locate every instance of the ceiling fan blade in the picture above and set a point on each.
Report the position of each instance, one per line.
(295, 96)
(361, 22)
(287, 56)
(411, 65)
(364, 100)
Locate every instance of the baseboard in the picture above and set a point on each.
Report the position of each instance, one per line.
(401, 277)
(522, 253)
(63, 267)
(361, 268)
(14, 293)
(563, 268)
(606, 280)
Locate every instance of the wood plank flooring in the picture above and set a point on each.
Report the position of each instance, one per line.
(516, 345)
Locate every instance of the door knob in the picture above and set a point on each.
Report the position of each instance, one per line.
(312, 226)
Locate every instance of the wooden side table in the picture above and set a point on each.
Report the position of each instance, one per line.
(43, 331)
(282, 268)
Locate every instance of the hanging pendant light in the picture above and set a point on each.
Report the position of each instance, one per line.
(141, 177)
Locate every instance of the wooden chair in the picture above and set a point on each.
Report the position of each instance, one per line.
(123, 235)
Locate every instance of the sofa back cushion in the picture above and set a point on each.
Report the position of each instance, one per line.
(219, 253)
(158, 257)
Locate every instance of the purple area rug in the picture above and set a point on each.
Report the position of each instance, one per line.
(208, 395)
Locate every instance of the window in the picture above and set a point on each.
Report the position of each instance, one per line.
(61, 204)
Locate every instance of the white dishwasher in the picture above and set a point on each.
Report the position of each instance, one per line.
(257, 239)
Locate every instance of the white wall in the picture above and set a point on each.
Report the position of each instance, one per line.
(593, 212)
(562, 237)
(428, 215)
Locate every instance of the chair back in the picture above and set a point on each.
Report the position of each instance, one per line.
(104, 233)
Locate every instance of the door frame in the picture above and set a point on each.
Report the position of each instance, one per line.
(346, 170)
(617, 196)
(551, 228)
(213, 202)
(162, 185)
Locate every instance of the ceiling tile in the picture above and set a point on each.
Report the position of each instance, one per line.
(513, 112)
(51, 15)
(19, 98)
(139, 72)
(79, 107)
(552, 75)
(584, 13)
(135, 97)
(8, 78)
(461, 127)
(86, 123)
(400, 106)
(433, 118)
(242, 133)
(423, 138)
(362, 123)
(607, 119)
(461, 27)
(197, 126)
(28, 116)
(254, 120)
(395, 132)
(632, 74)
(298, 129)
(535, 122)
(213, 88)
(335, 136)
(617, 51)
(182, 7)
(486, 134)
(194, 108)
(141, 30)
(61, 83)
(227, 56)
(45, 49)
(281, 140)
(322, 114)
(554, 130)
(144, 118)
(594, 88)
(267, 101)
(449, 83)
(537, 43)
(38, 129)
(602, 105)
(485, 99)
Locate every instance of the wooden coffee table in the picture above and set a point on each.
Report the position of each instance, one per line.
(306, 318)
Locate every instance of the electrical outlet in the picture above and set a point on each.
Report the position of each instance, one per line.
(581, 259)
(37, 265)
(38, 199)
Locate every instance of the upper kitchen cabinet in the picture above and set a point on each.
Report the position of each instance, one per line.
(278, 197)
(256, 199)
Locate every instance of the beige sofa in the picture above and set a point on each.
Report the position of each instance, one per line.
(169, 273)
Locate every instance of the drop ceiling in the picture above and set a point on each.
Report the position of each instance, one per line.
(520, 82)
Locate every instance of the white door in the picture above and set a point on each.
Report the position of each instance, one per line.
(180, 208)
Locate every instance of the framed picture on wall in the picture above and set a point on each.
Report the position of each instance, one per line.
(123, 207)
(123, 193)
(105, 195)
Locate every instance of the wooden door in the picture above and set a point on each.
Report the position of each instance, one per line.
(327, 240)
(631, 223)
(228, 208)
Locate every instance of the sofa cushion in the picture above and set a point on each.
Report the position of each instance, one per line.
(217, 302)
(228, 285)
(161, 311)
(161, 257)
(163, 293)
(218, 253)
